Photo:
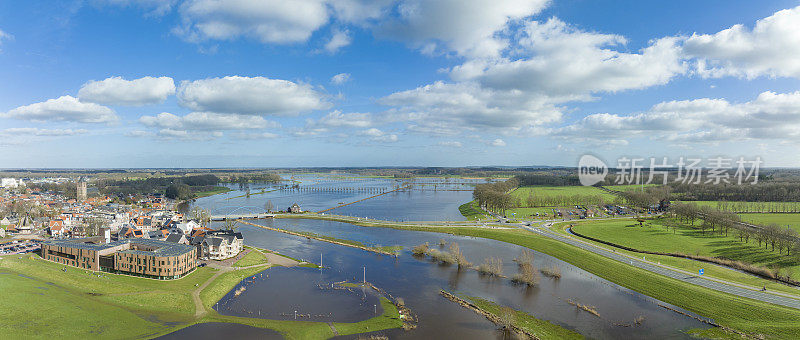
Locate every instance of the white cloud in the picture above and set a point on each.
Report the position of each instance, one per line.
(269, 21)
(4, 36)
(470, 28)
(450, 108)
(379, 135)
(769, 116)
(65, 108)
(339, 119)
(497, 142)
(771, 48)
(254, 96)
(452, 144)
(340, 78)
(41, 132)
(207, 121)
(339, 39)
(118, 91)
(561, 60)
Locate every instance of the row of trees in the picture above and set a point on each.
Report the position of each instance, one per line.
(759, 207)
(760, 192)
(562, 200)
(770, 236)
(495, 196)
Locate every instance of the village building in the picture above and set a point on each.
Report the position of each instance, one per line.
(140, 257)
(295, 209)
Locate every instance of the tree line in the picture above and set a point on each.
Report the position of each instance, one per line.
(495, 196)
(711, 220)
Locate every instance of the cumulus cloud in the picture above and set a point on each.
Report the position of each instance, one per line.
(339, 39)
(253, 96)
(771, 48)
(340, 78)
(497, 142)
(118, 91)
(65, 108)
(379, 135)
(449, 108)
(560, 60)
(770, 116)
(188, 135)
(269, 21)
(255, 135)
(207, 121)
(470, 28)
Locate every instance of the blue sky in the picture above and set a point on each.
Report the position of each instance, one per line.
(227, 83)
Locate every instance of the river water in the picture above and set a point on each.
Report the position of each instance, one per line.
(277, 293)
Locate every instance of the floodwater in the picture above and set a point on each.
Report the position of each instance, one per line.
(418, 282)
(428, 199)
(277, 293)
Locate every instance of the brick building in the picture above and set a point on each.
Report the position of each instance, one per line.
(140, 257)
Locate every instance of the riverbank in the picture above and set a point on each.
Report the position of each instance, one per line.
(746, 315)
(50, 300)
(521, 322)
(217, 190)
(385, 250)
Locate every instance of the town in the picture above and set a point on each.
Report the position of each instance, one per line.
(60, 227)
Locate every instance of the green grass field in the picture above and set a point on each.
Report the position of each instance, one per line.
(217, 190)
(782, 220)
(693, 266)
(252, 258)
(41, 300)
(549, 191)
(628, 187)
(471, 211)
(541, 328)
(685, 240)
(757, 207)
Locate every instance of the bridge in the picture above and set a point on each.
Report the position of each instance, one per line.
(241, 216)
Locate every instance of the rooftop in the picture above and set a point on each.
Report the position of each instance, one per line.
(157, 247)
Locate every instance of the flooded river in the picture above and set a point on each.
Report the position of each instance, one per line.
(278, 292)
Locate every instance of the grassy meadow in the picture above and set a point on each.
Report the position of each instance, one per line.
(782, 220)
(686, 240)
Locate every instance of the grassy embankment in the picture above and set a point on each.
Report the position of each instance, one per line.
(689, 265)
(655, 236)
(540, 328)
(254, 257)
(217, 190)
(738, 313)
(471, 211)
(44, 301)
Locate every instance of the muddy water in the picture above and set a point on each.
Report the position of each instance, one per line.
(418, 282)
(427, 200)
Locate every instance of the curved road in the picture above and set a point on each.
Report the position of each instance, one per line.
(715, 284)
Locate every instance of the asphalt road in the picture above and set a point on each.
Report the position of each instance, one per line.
(718, 285)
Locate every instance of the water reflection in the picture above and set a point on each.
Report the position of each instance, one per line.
(418, 282)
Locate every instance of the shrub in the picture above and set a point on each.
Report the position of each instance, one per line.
(491, 266)
(552, 271)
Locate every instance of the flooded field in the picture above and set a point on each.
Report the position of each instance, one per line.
(278, 293)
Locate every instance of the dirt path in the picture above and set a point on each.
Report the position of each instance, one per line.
(200, 309)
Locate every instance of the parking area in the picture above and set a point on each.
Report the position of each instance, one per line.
(19, 247)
